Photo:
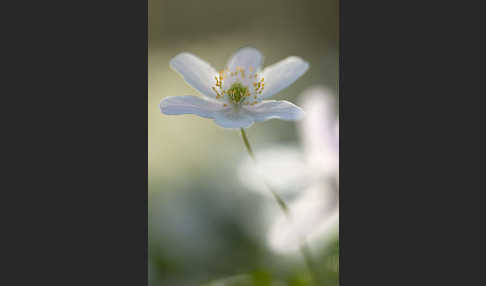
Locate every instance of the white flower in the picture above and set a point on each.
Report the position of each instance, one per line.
(283, 168)
(314, 216)
(319, 132)
(311, 177)
(235, 97)
(289, 169)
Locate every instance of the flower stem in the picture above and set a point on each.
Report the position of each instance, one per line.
(304, 248)
(247, 144)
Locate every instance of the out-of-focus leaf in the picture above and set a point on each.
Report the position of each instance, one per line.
(300, 279)
(262, 278)
(237, 280)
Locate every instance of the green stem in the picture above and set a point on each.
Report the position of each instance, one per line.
(247, 144)
(304, 248)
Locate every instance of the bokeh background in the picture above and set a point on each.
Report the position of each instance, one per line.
(204, 225)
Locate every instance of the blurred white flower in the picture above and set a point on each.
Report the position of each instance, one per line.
(311, 175)
(282, 168)
(314, 216)
(234, 97)
(319, 132)
(289, 169)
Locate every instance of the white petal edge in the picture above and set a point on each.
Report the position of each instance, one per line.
(282, 167)
(315, 216)
(279, 109)
(318, 131)
(230, 118)
(319, 128)
(246, 58)
(282, 74)
(196, 72)
(187, 104)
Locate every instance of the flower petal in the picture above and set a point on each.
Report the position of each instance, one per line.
(283, 168)
(319, 130)
(282, 74)
(315, 216)
(196, 72)
(187, 104)
(279, 109)
(231, 118)
(246, 58)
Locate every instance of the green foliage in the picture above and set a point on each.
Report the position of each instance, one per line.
(261, 278)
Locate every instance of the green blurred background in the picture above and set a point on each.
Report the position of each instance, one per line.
(203, 224)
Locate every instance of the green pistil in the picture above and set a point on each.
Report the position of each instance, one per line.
(237, 92)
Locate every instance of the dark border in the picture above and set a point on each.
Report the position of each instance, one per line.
(79, 196)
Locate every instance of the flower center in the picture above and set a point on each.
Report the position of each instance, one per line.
(237, 92)
(239, 82)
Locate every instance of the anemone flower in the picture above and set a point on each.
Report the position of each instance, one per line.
(314, 218)
(289, 169)
(236, 97)
(308, 176)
